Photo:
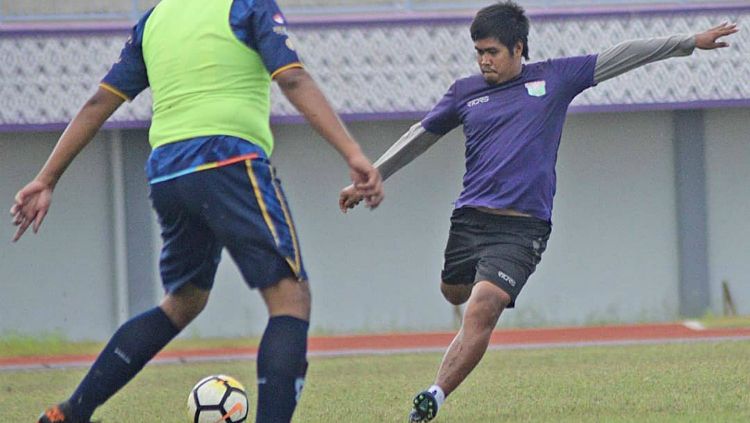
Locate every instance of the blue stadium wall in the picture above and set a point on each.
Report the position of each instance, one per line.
(650, 215)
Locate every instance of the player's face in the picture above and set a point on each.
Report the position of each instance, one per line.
(496, 62)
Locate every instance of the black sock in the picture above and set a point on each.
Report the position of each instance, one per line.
(281, 368)
(131, 347)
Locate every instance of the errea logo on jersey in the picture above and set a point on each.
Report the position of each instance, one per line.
(477, 101)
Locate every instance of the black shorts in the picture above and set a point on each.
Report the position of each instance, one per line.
(503, 250)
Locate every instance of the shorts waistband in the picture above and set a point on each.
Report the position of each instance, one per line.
(483, 217)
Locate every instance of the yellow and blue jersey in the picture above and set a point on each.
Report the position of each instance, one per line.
(258, 24)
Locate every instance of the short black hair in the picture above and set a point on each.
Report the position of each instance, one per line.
(505, 22)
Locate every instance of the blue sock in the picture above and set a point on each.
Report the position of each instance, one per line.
(131, 347)
(281, 368)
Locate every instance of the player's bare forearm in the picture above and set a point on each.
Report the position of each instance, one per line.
(302, 91)
(78, 134)
(32, 202)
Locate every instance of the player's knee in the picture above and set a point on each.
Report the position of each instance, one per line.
(184, 305)
(288, 297)
(487, 303)
(456, 294)
(480, 316)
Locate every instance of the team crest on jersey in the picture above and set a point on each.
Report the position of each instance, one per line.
(536, 88)
(279, 19)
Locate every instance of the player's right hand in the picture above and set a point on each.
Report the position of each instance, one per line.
(367, 181)
(708, 40)
(348, 198)
(30, 206)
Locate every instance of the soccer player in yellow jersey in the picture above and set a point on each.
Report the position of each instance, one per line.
(209, 66)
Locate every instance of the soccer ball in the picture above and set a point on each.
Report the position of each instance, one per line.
(217, 399)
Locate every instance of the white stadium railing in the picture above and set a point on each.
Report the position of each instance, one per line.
(47, 73)
(87, 10)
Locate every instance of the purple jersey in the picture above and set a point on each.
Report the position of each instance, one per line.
(512, 132)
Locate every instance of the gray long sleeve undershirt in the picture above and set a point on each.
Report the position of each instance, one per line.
(410, 146)
(610, 63)
(632, 54)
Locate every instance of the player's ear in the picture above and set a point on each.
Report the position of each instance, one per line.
(518, 49)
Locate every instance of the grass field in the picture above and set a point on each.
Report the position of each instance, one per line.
(700, 382)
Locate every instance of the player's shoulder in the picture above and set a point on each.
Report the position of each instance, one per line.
(470, 80)
(469, 83)
(560, 61)
(541, 66)
(468, 86)
(244, 4)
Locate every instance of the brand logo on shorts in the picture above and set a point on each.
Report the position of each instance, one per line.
(478, 101)
(507, 278)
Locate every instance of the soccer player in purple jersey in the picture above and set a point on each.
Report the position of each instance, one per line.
(512, 116)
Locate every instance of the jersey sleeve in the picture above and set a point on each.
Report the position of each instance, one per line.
(127, 77)
(262, 26)
(443, 117)
(576, 72)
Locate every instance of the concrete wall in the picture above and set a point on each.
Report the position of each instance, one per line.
(728, 192)
(612, 256)
(60, 280)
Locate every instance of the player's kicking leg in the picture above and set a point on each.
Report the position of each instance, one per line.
(131, 347)
(500, 253)
(188, 262)
(486, 303)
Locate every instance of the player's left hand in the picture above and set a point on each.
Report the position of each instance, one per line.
(708, 40)
(30, 207)
(367, 180)
(349, 198)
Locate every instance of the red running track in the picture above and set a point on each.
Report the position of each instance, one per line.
(435, 341)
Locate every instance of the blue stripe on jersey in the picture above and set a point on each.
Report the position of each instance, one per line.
(181, 158)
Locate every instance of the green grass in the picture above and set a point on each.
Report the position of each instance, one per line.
(715, 322)
(701, 382)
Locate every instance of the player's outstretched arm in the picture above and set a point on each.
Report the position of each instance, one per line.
(410, 146)
(33, 201)
(632, 54)
(302, 91)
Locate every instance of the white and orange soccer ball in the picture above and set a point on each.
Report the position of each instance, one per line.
(217, 399)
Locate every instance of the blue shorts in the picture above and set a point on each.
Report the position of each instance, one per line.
(241, 207)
